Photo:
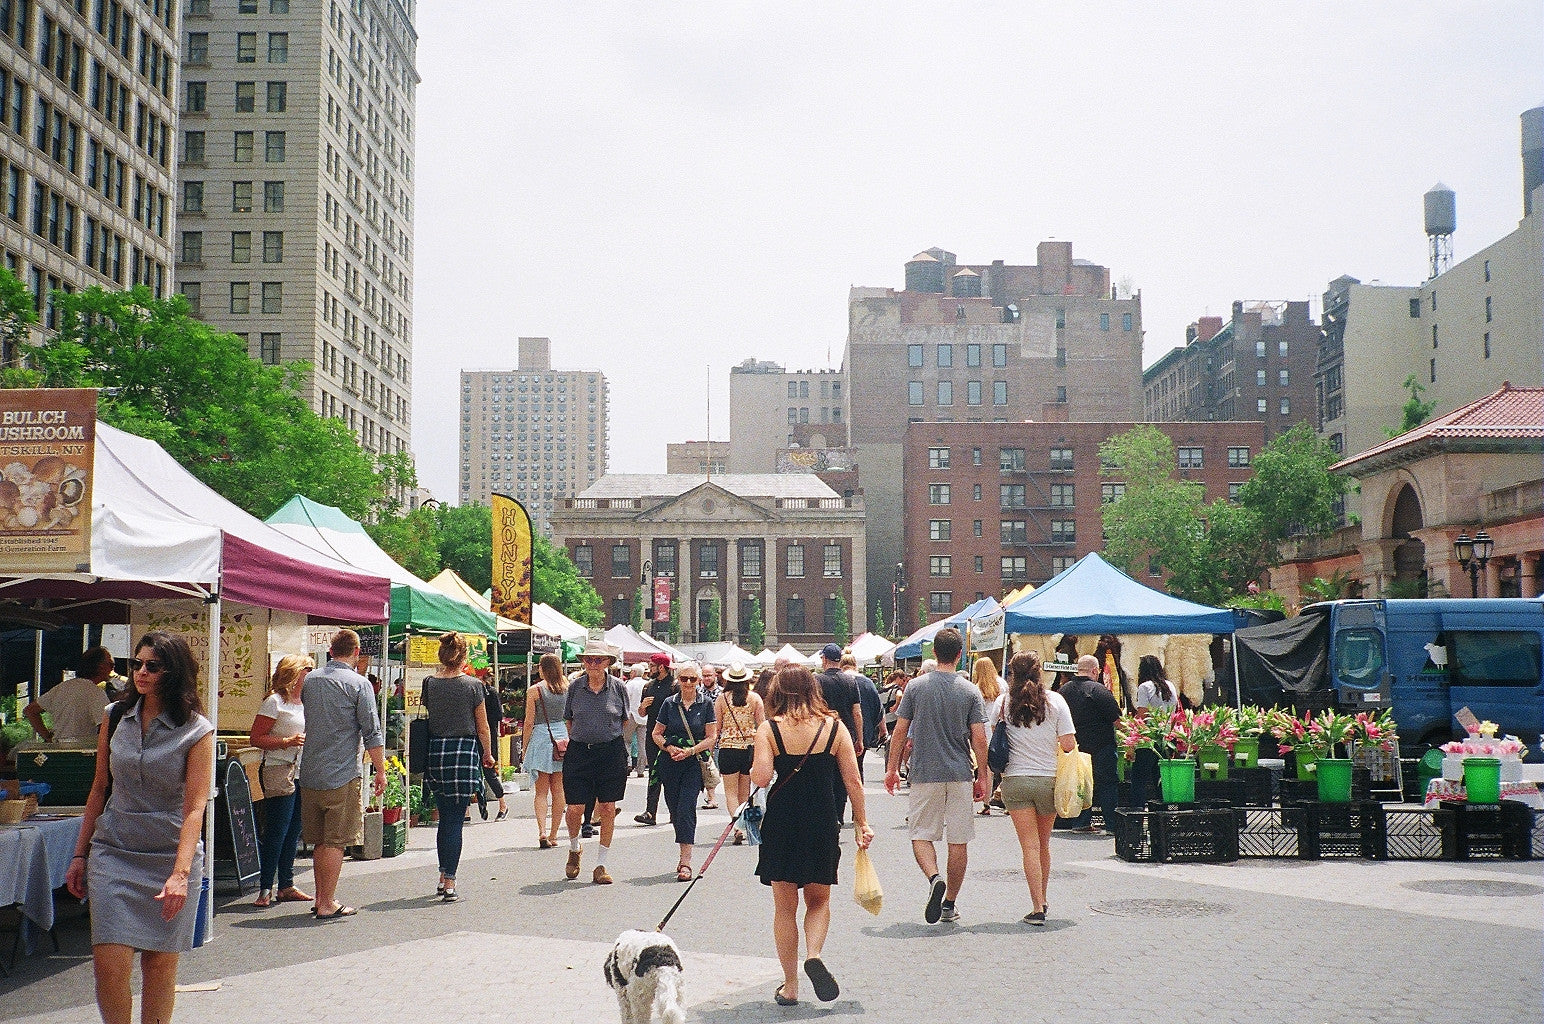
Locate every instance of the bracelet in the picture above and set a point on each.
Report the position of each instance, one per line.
(79, 856)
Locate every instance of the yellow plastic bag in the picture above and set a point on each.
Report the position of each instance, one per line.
(865, 884)
(1086, 779)
(1069, 782)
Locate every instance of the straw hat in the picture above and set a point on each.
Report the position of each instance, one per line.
(737, 673)
(599, 649)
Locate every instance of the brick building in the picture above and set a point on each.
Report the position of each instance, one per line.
(1259, 365)
(785, 540)
(772, 409)
(992, 506)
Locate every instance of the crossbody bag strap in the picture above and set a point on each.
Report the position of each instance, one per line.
(546, 719)
(688, 726)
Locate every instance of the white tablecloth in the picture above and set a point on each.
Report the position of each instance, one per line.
(34, 857)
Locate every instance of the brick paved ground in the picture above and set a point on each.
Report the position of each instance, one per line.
(1260, 941)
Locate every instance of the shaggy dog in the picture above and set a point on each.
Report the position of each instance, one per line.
(644, 969)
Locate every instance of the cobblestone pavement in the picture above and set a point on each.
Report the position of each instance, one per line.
(1273, 942)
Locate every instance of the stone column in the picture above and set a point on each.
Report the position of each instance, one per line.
(1491, 578)
(1528, 572)
(729, 621)
(771, 614)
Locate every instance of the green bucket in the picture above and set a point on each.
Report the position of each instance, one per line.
(1482, 780)
(1177, 779)
(1246, 752)
(1306, 761)
(1334, 775)
(1213, 762)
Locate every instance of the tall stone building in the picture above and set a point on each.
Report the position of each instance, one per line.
(697, 457)
(87, 115)
(980, 343)
(772, 409)
(1259, 365)
(296, 205)
(533, 433)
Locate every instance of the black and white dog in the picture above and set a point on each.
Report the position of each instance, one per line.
(644, 969)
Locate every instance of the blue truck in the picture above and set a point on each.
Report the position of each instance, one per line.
(1425, 659)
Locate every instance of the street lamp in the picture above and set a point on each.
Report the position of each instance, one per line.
(1472, 554)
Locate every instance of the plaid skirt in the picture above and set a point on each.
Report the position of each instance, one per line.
(455, 766)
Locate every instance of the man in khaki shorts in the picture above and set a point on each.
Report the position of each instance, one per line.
(942, 713)
(340, 717)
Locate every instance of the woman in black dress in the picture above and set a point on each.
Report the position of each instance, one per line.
(806, 745)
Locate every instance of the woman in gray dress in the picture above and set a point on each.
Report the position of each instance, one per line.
(140, 838)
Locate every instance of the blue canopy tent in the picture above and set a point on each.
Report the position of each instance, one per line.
(1094, 597)
(911, 647)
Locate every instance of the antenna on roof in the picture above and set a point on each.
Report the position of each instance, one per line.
(710, 421)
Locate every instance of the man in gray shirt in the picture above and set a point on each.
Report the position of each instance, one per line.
(340, 717)
(943, 715)
(595, 765)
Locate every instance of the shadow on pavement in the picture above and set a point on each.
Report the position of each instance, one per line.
(766, 1010)
(405, 903)
(551, 888)
(668, 878)
(276, 922)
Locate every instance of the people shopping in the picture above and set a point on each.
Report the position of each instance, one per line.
(685, 734)
(279, 731)
(546, 739)
(459, 745)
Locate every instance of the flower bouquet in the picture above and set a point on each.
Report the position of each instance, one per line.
(1212, 735)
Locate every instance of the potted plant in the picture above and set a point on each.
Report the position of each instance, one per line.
(394, 798)
(1170, 738)
(1291, 735)
(1327, 735)
(1212, 734)
(421, 808)
(1249, 722)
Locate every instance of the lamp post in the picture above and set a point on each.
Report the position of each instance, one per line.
(1472, 554)
(897, 589)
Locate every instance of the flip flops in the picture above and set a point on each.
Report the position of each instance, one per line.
(826, 988)
(783, 1000)
(342, 911)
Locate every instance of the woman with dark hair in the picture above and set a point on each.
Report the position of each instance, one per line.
(140, 839)
(1039, 723)
(806, 745)
(1156, 696)
(459, 749)
(546, 738)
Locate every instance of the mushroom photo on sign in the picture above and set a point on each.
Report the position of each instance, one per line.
(45, 496)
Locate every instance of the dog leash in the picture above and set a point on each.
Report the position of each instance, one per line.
(700, 872)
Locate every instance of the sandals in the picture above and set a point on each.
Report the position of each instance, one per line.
(264, 899)
(783, 1000)
(739, 837)
(826, 988)
(292, 895)
(683, 872)
(543, 843)
(342, 911)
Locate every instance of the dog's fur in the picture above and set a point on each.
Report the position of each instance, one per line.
(644, 969)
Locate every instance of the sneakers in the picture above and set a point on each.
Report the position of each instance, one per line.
(572, 870)
(1036, 918)
(449, 896)
(601, 876)
(935, 901)
(947, 914)
(588, 832)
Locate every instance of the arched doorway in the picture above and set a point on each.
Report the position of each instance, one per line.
(1410, 556)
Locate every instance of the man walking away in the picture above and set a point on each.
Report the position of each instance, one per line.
(841, 695)
(1094, 712)
(635, 720)
(944, 716)
(661, 685)
(340, 717)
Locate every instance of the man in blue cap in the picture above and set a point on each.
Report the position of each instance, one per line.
(841, 696)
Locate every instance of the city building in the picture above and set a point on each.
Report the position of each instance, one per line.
(1257, 366)
(697, 457)
(981, 343)
(533, 433)
(87, 115)
(990, 507)
(296, 205)
(1477, 468)
(783, 541)
(1459, 335)
(768, 405)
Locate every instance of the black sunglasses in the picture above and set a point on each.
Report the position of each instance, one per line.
(149, 665)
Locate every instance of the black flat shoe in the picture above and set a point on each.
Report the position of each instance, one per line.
(783, 1000)
(826, 988)
(483, 810)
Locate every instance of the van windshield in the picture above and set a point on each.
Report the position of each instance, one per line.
(1359, 657)
(1494, 658)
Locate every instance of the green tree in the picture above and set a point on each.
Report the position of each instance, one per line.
(17, 317)
(921, 611)
(1414, 411)
(756, 628)
(1157, 522)
(673, 630)
(555, 581)
(841, 622)
(638, 610)
(879, 618)
(466, 544)
(1292, 489)
(711, 622)
(412, 540)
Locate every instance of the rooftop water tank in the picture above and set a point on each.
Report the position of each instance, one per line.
(1441, 210)
(966, 284)
(924, 273)
(1533, 155)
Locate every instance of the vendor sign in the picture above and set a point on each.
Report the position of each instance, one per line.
(511, 559)
(47, 444)
(986, 632)
(243, 675)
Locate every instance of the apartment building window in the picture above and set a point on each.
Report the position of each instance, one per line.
(1062, 496)
(278, 97)
(584, 560)
(794, 614)
(914, 393)
(273, 247)
(793, 557)
(1190, 458)
(198, 47)
(938, 494)
(707, 560)
(1487, 344)
(192, 197)
(1010, 460)
(278, 47)
(1064, 531)
(1487, 309)
(1282, 376)
(621, 561)
(973, 392)
(975, 528)
(938, 458)
(913, 355)
(793, 389)
(975, 456)
(999, 392)
(939, 565)
(193, 291)
(268, 348)
(1061, 395)
(273, 296)
(241, 147)
(1125, 321)
(972, 355)
(999, 355)
(945, 392)
(1061, 458)
(1061, 319)
(1104, 321)
(1260, 406)
(273, 147)
(750, 561)
(1015, 567)
(1109, 494)
(192, 153)
(1061, 563)
(1259, 378)
(273, 197)
(1013, 531)
(945, 357)
(196, 97)
(793, 418)
(975, 492)
(978, 563)
(1011, 495)
(940, 602)
(241, 247)
(241, 297)
(192, 247)
(804, 389)
(621, 610)
(246, 97)
(1234, 490)
(940, 529)
(1281, 349)
(1415, 309)
(832, 559)
(1286, 403)
(246, 47)
(1238, 457)
(246, 6)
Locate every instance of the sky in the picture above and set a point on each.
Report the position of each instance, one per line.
(667, 189)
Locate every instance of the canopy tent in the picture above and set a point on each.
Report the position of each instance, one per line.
(719, 655)
(1014, 595)
(765, 658)
(911, 647)
(637, 647)
(414, 603)
(1094, 597)
(570, 634)
(450, 582)
(869, 648)
(791, 653)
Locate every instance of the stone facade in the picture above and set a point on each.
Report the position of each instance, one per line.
(697, 457)
(772, 409)
(787, 541)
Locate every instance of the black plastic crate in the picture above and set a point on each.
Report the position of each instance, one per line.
(1342, 830)
(1267, 831)
(1257, 787)
(1536, 847)
(1226, 792)
(1413, 834)
(1296, 792)
(1189, 837)
(1134, 836)
(1487, 831)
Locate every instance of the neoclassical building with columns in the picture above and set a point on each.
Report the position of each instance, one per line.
(785, 540)
(1480, 467)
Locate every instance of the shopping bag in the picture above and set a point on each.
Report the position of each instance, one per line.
(865, 883)
(1086, 779)
(1069, 783)
(750, 819)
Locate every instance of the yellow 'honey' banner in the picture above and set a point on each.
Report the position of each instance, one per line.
(511, 559)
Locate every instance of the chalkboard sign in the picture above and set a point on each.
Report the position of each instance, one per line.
(235, 841)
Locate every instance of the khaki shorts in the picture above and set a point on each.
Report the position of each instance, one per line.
(940, 809)
(1030, 791)
(332, 817)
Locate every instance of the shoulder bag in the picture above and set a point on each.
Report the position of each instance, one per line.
(559, 746)
(997, 749)
(710, 775)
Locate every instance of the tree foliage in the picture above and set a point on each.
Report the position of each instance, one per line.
(673, 629)
(638, 609)
(711, 623)
(841, 623)
(1292, 489)
(756, 628)
(1414, 411)
(879, 618)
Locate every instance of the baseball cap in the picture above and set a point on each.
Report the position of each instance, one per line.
(660, 658)
(831, 652)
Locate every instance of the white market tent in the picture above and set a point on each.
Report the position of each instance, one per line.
(549, 620)
(635, 646)
(764, 659)
(792, 653)
(719, 655)
(869, 648)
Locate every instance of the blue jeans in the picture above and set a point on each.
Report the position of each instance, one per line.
(281, 833)
(447, 838)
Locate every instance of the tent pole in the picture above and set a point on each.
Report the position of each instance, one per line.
(37, 665)
(1238, 697)
(214, 781)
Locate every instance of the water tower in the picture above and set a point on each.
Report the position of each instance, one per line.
(1441, 220)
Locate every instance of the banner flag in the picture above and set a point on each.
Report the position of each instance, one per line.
(512, 551)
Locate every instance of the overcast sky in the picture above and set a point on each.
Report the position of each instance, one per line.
(662, 187)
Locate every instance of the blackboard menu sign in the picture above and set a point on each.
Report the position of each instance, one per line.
(235, 840)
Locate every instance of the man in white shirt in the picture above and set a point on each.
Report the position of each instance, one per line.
(635, 720)
(75, 705)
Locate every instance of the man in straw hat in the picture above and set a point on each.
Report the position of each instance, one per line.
(595, 766)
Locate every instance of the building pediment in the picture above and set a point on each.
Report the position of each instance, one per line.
(707, 503)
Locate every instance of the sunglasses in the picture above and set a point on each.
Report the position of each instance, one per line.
(594, 659)
(149, 665)
(689, 679)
